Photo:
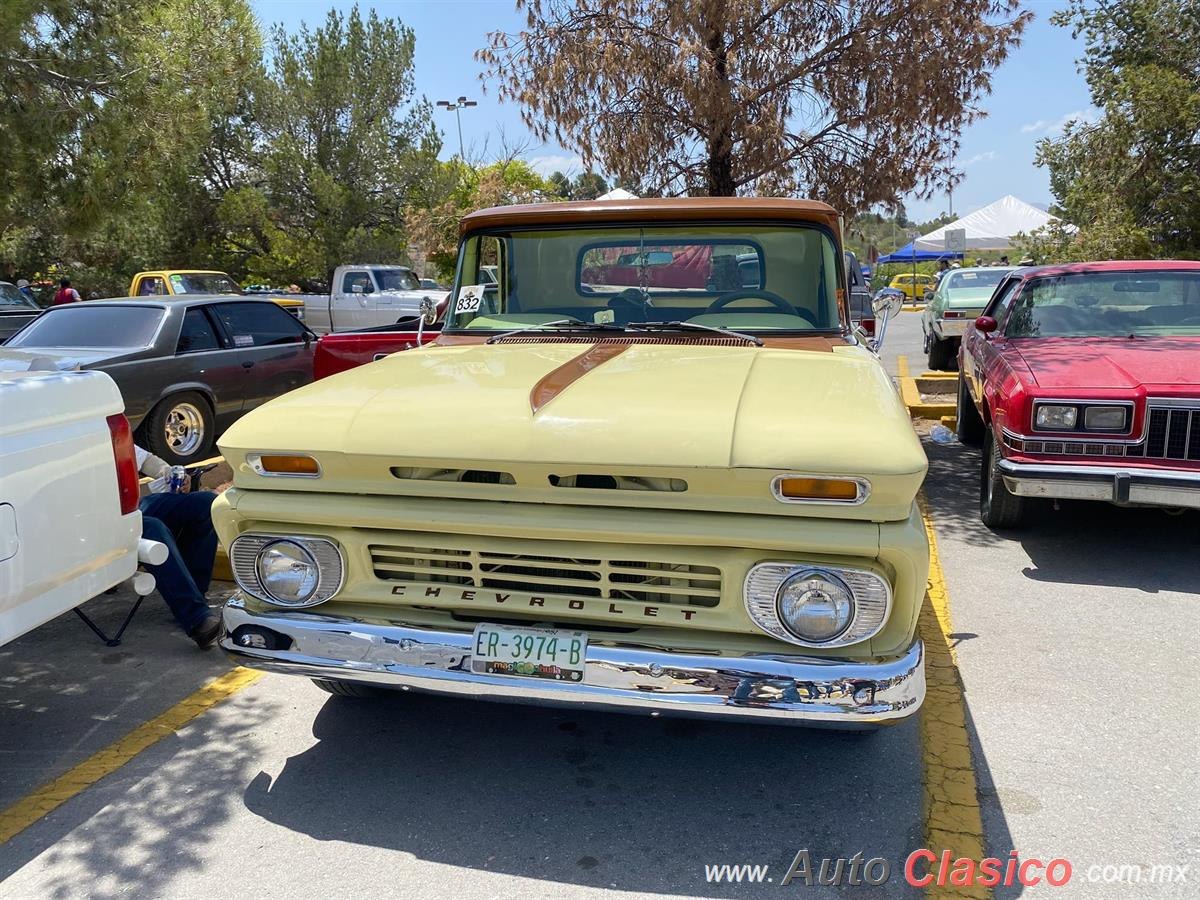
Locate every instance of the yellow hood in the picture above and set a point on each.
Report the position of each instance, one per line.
(653, 409)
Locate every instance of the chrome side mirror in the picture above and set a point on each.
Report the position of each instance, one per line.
(886, 303)
(427, 315)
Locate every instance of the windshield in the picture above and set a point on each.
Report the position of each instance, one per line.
(765, 277)
(967, 279)
(11, 298)
(396, 280)
(1113, 304)
(203, 283)
(85, 325)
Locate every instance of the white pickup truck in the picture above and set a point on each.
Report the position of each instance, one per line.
(365, 296)
(70, 527)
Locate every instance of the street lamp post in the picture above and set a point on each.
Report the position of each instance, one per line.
(457, 106)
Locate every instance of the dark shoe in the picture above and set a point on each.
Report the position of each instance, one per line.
(205, 634)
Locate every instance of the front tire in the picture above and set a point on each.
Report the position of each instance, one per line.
(940, 354)
(998, 507)
(968, 421)
(181, 429)
(346, 688)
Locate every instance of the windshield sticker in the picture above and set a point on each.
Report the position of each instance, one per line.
(243, 340)
(469, 298)
(178, 285)
(604, 317)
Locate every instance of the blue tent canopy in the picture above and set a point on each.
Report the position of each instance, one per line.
(907, 254)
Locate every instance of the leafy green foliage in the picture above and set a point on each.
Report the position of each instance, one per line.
(1130, 181)
(149, 133)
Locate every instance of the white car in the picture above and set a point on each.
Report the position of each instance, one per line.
(70, 527)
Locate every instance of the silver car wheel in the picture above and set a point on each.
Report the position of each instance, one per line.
(184, 429)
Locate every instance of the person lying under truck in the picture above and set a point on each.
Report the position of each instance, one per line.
(182, 521)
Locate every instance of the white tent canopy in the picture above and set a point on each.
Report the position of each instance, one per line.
(618, 194)
(990, 228)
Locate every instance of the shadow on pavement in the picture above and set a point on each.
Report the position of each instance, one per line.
(152, 821)
(65, 695)
(596, 799)
(1076, 543)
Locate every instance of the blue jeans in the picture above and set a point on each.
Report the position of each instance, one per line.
(184, 523)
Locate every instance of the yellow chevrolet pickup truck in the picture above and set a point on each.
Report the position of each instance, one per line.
(171, 282)
(648, 467)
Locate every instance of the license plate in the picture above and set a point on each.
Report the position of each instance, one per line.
(529, 652)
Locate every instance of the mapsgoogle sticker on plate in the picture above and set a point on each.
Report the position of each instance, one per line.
(469, 298)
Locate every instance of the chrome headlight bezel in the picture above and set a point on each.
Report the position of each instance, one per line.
(871, 594)
(1081, 412)
(245, 551)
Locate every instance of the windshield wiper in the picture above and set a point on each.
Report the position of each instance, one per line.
(684, 326)
(558, 325)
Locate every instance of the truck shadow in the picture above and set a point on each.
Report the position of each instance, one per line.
(595, 799)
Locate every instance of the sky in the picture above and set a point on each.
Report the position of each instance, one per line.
(1036, 90)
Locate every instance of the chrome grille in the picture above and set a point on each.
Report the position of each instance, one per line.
(1173, 433)
(610, 578)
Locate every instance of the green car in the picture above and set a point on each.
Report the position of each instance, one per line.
(959, 299)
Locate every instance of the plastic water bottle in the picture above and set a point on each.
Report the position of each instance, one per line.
(940, 434)
(178, 477)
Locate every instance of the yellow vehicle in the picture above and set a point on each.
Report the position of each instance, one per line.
(914, 286)
(171, 282)
(649, 467)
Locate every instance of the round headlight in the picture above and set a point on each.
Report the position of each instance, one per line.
(815, 606)
(288, 572)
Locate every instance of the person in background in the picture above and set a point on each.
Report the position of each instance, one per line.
(26, 290)
(65, 293)
(1004, 260)
(942, 268)
(184, 523)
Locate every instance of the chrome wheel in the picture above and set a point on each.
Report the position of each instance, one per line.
(183, 429)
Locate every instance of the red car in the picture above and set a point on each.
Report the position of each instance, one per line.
(1082, 382)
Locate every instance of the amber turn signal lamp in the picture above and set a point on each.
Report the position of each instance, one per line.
(288, 465)
(828, 490)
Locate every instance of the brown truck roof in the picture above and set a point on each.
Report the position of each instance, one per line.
(666, 209)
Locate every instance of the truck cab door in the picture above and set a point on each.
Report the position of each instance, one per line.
(354, 304)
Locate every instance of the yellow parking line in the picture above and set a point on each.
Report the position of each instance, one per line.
(952, 818)
(52, 795)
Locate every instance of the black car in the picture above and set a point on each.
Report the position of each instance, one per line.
(16, 310)
(187, 367)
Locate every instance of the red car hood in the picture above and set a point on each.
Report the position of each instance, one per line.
(1113, 363)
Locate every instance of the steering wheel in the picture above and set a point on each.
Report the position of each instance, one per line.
(770, 296)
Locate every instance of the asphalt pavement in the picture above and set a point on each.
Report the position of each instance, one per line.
(1076, 641)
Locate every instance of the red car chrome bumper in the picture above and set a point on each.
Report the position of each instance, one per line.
(1123, 485)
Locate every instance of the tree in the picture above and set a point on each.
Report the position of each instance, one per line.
(108, 111)
(560, 185)
(345, 146)
(1131, 180)
(588, 186)
(854, 103)
(507, 180)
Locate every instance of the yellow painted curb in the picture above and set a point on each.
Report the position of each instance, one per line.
(951, 422)
(52, 795)
(918, 408)
(952, 818)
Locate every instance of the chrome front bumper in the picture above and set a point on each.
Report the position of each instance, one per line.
(1123, 486)
(803, 690)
